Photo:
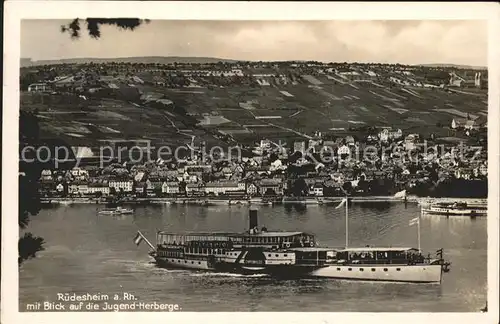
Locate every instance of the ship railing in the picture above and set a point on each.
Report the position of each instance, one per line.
(260, 262)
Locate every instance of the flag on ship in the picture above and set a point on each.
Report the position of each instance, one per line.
(414, 221)
(138, 239)
(342, 203)
(401, 194)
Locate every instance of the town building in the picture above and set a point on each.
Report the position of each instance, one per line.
(170, 188)
(95, 188)
(39, 87)
(194, 189)
(222, 187)
(79, 174)
(78, 188)
(252, 189)
(121, 185)
(271, 186)
(389, 134)
(318, 190)
(299, 146)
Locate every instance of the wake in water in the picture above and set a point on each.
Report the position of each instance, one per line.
(228, 274)
(193, 273)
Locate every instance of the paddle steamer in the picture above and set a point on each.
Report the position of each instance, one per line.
(254, 251)
(455, 209)
(289, 254)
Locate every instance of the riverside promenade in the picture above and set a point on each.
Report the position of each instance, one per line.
(210, 201)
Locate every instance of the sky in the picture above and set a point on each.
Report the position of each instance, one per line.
(462, 42)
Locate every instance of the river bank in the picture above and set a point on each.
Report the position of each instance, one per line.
(257, 201)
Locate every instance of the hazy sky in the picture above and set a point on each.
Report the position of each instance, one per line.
(406, 42)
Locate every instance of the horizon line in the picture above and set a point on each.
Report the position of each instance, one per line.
(250, 61)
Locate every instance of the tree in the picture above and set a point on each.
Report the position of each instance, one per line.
(94, 25)
(299, 187)
(29, 199)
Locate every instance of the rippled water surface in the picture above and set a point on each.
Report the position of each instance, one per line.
(90, 253)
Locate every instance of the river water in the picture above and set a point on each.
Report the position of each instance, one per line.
(87, 253)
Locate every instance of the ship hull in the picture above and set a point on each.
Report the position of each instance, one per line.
(441, 212)
(281, 271)
(176, 263)
(393, 273)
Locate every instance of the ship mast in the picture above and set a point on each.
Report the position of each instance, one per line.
(418, 234)
(345, 202)
(346, 222)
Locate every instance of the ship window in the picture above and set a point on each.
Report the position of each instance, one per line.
(373, 269)
(277, 255)
(185, 261)
(285, 255)
(199, 262)
(192, 262)
(269, 255)
(385, 269)
(338, 269)
(350, 269)
(361, 269)
(398, 269)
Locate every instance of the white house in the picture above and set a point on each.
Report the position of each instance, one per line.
(338, 177)
(252, 189)
(389, 134)
(223, 187)
(170, 187)
(483, 169)
(39, 87)
(273, 185)
(343, 150)
(95, 188)
(46, 175)
(318, 190)
(79, 174)
(78, 188)
(119, 185)
(470, 125)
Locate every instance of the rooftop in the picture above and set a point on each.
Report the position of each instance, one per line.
(261, 234)
(377, 249)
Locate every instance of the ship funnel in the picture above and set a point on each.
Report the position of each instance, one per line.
(253, 222)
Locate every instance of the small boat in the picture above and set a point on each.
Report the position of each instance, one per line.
(116, 211)
(390, 264)
(396, 264)
(455, 209)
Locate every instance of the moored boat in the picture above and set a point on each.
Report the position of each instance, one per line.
(116, 211)
(455, 209)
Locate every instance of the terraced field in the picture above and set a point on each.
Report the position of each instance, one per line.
(280, 111)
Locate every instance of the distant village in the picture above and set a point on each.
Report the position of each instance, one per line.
(94, 77)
